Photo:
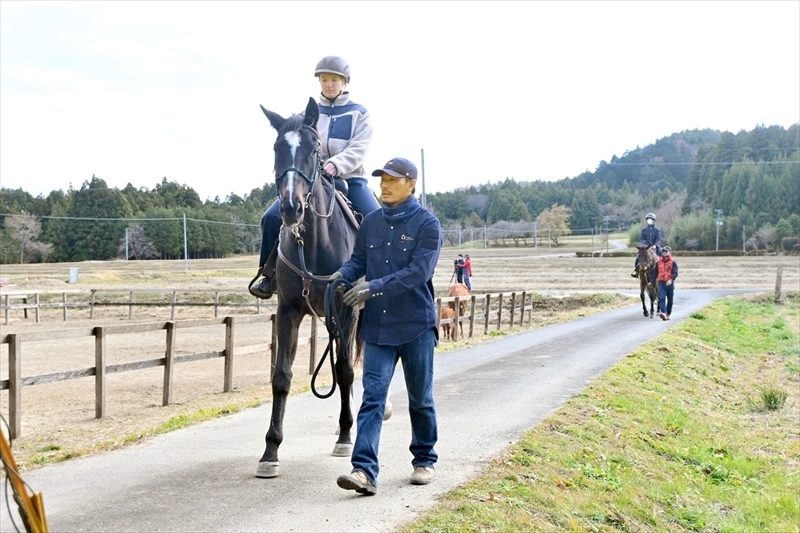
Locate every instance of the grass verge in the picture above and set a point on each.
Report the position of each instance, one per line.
(679, 436)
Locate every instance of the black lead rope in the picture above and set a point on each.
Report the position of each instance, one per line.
(337, 322)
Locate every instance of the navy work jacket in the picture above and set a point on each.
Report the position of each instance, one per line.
(397, 249)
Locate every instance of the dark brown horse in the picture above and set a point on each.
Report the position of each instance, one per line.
(316, 238)
(647, 276)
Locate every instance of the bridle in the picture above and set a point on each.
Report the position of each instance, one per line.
(312, 180)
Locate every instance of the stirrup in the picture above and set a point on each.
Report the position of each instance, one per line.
(268, 271)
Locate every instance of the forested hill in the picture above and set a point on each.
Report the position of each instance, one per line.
(687, 178)
(665, 164)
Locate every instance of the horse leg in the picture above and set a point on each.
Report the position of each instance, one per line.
(344, 377)
(287, 323)
(653, 299)
(641, 297)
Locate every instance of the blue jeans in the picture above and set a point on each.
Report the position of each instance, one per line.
(358, 193)
(467, 281)
(379, 364)
(665, 292)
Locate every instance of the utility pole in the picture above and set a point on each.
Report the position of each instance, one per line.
(719, 223)
(185, 248)
(606, 219)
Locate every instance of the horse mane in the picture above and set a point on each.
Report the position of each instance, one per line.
(293, 123)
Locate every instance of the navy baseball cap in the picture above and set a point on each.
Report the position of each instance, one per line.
(399, 168)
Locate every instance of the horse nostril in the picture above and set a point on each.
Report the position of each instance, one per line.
(298, 211)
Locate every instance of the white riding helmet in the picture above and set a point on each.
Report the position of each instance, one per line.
(333, 65)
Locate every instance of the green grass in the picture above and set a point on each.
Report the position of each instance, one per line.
(670, 439)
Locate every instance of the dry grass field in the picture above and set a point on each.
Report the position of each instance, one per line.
(58, 418)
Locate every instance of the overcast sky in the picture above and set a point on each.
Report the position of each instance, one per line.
(134, 92)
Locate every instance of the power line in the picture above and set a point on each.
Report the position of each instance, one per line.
(131, 219)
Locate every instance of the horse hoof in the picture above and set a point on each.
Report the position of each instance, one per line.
(268, 469)
(342, 450)
(388, 410)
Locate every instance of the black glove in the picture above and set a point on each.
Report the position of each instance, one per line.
(358, 294)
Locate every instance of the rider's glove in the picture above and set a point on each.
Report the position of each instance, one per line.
(358, 294)
(336, 275)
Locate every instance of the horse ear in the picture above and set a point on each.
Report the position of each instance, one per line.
(312, 114)
(275, 119)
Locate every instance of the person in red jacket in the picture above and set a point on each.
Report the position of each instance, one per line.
(667, 273)
(467, 271)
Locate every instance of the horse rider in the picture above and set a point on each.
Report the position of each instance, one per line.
(650, 236)
(345, 132)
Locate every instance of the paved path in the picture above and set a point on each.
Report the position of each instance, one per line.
(201, 478)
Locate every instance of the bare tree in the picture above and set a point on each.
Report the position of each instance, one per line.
(766, 235)
(556, 219)
(139, 246)
(25, 230)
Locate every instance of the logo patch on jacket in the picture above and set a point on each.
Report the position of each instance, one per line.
(406, 238)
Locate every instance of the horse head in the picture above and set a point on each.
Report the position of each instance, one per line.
(647, 256)
(297, 161)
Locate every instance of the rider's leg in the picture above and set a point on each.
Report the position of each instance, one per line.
(270, 228)
(635, 273)
(361, 197)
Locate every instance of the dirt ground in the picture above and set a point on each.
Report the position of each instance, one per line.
(58, 418)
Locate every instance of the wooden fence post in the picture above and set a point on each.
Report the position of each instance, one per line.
(216, 303)
(14, 385)
(172, 310)
(100, 372)
(273, 347)
(169, 363)
(5, 298)
(530, 311)
(229, 331)
(91, 305)
(471, 315)
(522, 308)
(513, 309)
(130, 306)
(499, 311)
(778, 280)
(36, 299)
(312, 356)
(457, 319)
(64, 302)
(438, 313)
(486, 306)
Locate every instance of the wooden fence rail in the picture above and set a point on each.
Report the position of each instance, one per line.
(490, 312)
(30, 300)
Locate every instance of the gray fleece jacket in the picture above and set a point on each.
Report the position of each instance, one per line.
(345, 133)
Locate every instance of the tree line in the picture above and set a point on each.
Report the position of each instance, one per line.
(689, 179)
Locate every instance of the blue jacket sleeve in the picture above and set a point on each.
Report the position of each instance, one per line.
(674, 270)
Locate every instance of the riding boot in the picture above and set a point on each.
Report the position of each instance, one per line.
(635, 273)
(267, 286)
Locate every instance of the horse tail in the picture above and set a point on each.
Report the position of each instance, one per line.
(359, 343)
